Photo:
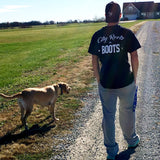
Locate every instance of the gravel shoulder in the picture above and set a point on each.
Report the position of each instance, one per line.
(148, 109)
(86, 139)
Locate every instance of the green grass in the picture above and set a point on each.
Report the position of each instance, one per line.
(40, 50)
(30, 56)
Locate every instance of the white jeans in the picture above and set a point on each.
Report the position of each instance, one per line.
(126, 115)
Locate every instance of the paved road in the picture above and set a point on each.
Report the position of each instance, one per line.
(86, 142)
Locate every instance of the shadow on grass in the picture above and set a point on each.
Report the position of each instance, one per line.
(35, 129)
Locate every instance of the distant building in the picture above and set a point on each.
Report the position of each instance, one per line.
(141, 10)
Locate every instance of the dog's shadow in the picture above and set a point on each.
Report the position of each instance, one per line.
(35, 129)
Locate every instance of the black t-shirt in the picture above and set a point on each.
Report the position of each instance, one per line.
(112, 44)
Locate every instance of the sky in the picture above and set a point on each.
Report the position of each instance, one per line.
(54, 10)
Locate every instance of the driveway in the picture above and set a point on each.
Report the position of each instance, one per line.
(86, 140)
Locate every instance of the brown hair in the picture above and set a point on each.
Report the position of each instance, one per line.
(112, 12)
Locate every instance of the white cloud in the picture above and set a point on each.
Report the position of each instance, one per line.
(12, 8)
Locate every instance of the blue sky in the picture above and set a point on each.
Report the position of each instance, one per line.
(56, 10)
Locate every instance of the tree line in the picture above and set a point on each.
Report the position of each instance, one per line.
(23, 24)
(11, 25)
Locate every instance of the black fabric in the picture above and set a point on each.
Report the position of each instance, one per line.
(111, 45)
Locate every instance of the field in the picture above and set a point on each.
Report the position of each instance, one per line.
(41, 56)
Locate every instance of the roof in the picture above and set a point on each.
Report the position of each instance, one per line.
(144, 6)
(157, 7)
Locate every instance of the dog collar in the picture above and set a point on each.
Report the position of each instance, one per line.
(61, 88)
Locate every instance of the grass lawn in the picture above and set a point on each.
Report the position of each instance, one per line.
(28, 55)
(41, 56)
(38, 50)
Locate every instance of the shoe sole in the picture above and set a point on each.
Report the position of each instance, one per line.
(134, 146)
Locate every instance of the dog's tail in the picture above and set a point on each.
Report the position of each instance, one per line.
(18, 95)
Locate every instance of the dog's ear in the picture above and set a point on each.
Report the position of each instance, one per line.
(64, 86)
(56, 87)
(61, 85)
